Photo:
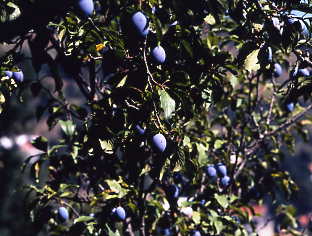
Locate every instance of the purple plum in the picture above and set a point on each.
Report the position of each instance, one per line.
(303, 72)
(290, 107)
(159, 142)
(195, 233)
(211, 171)
(225, 181)
(86, 7)
(173, 191)
(18, 76)
(62, 214)
(159, 54)
(119, 213)
(277, 70)
(140, 23)
(221, 168)
(8, 73)
(139, 130)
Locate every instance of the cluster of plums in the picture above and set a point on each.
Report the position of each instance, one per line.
(218, 170)
(16, 75)
(140, 24)
(295, 73)
(159, 142)
(118, 213)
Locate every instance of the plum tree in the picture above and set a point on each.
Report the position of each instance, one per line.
(141, 98)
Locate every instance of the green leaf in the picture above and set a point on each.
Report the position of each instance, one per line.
(222, 200)
(202, 155)
(117, 188)
(83, 219)
(251, 61)
(112, 233)
(166, 103)
(68, 127)
(210, 19)
(41, 143)
(196, 217)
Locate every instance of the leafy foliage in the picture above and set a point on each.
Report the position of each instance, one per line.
(214, 99)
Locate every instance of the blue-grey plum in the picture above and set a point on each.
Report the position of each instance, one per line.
(8, 73)
(153, 9)
(177, 176)
(211, 171)
(62, 214)
(293, 73)
(140, 23)
(173, 191)
(303, 29)
(225, 181)
(119, 213)
(159, 54)
(174, 23)
(139, 130)
(18, 76)
(159, 142)
(277, 70)
(221, 168)
(86, 7)
(166, 232)
(303, 72)
(202, 202)
(290, 106)
(265, 54)
(195, 233)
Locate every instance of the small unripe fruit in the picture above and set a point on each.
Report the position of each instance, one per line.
(159, 54)
(211, 171)
(221, 168)
(140, 23)
(86, 7)
(62, 214)
(8, 73)
(119, 213)
(277, 70)
(159, 142)
(225, 181)
(18, 76)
